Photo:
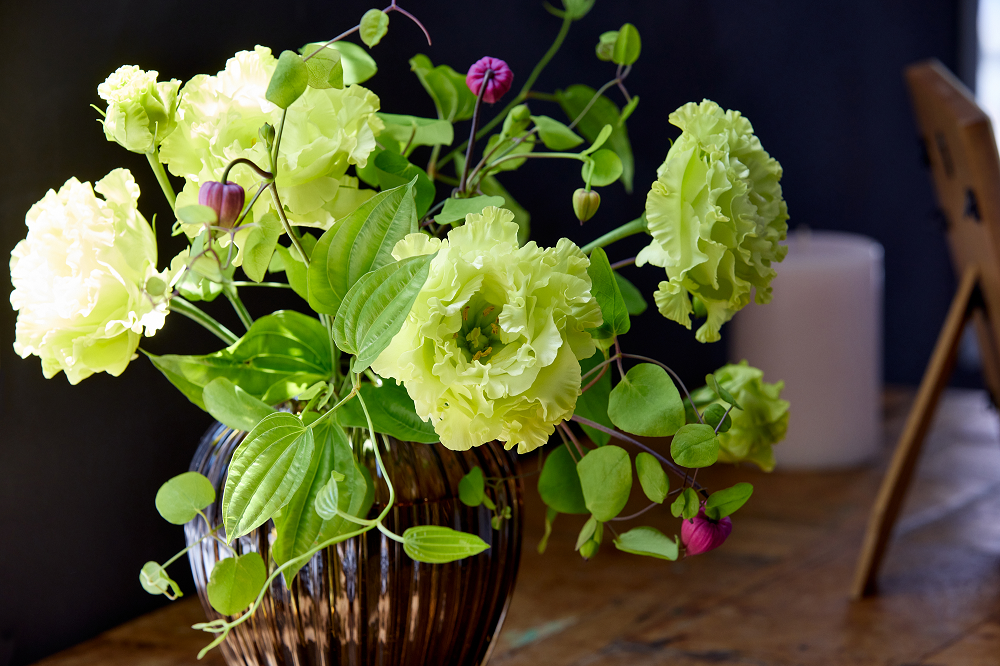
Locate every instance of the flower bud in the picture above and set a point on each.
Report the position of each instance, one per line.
(226, 200)
(589, 549)
(585, 204)
(141, 112)
(498, 84)
(702, 534)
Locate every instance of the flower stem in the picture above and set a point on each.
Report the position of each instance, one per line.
(191, 311)
(288, 227)
(241, 310)
(161, 178)
(636, 226)
(472, 132)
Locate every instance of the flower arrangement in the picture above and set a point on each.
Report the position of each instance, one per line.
(432, 319)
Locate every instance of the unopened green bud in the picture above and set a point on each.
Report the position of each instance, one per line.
(266, 133)
(585, 204)
(606, 46)
(589, 549)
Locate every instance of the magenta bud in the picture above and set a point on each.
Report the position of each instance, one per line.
(499, 83)
(226, 200)
(702, 534)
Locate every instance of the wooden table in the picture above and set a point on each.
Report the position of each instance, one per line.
(776, 593)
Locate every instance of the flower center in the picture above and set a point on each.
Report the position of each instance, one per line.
(479, 335)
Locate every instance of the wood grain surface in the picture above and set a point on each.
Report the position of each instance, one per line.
(776, 594)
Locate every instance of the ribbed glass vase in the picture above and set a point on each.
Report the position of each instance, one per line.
(364, 602)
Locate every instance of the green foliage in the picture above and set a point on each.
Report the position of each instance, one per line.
(604, 112)
(455, 210)
(723, 503)
(587, 532)
(634, 302)
(724, 395)
(609, 297)
(267, 469)
(452, 98)
(197, 214)
(231, 405)
(715, 415)
(695, 445)
(394, 170)
(235, 582)
(646, 402)
(299, 526)
(606, 45)
(374, 26)
(392, 412)
(326, 68)
(437, 545)
(559, 483)
(577, 9)
(513, 139)
(648, 541)
(686, 505)
(555, 135)
(593, 403)
(627, 45)
(205, 278)
(154, 579)
(652, 477)
(599, 141)
(182, 497)
(327, 502)
(376, 307)
(280, 356)
(357, 64)
(603, 168)
(357, 244)
(550, 517)
(415, 131)
(472, 487)
(606, 480)
(260, 245)
(287, 259)
(289, 81)
(628, 110)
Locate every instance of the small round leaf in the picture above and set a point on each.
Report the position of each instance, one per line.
(289, 81)
(559, 483)
(606, 480)
(606, 167)
(627, 46)
(695, 445)
(235, 583)
(646, 402)
(648, 541)
(374, 26)
(472, 487)
(181, 498)
(652, 478)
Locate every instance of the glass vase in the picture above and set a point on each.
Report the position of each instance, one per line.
(364, 602)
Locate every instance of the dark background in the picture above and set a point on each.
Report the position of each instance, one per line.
(821, 82)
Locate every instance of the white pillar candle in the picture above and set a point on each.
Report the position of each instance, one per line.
(822, 334)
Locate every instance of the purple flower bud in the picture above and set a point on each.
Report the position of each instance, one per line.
(498, 84)
(226, 200)
(702, 534)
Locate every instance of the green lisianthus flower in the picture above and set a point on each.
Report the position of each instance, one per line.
(763, 421)
(85, 282)
(141, 113)
(716, 216)
(492, 347)
(325, 131)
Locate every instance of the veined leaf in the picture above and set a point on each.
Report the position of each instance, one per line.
(555, 135)
(289, 80)
(452, 98)
(374, 26)
(392, 413)
(627, 45)
(695, 445)
(416, 131)
(436, 545)
(359, 243)
(358, 65)
(723, 503)
(266, 470)
(605, 290)
(326, 68)
(376, 307)
(231, 405)
(280, 356)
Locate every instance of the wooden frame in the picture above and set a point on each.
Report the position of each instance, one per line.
(965, 168)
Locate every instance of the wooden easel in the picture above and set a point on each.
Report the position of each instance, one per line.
(965, 168)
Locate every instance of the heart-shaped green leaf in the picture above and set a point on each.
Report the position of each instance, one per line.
(646, 402)
(235, 582)
(181, 498)
(289, 81)
(606, 480)
(695, 445)
(559, 483)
